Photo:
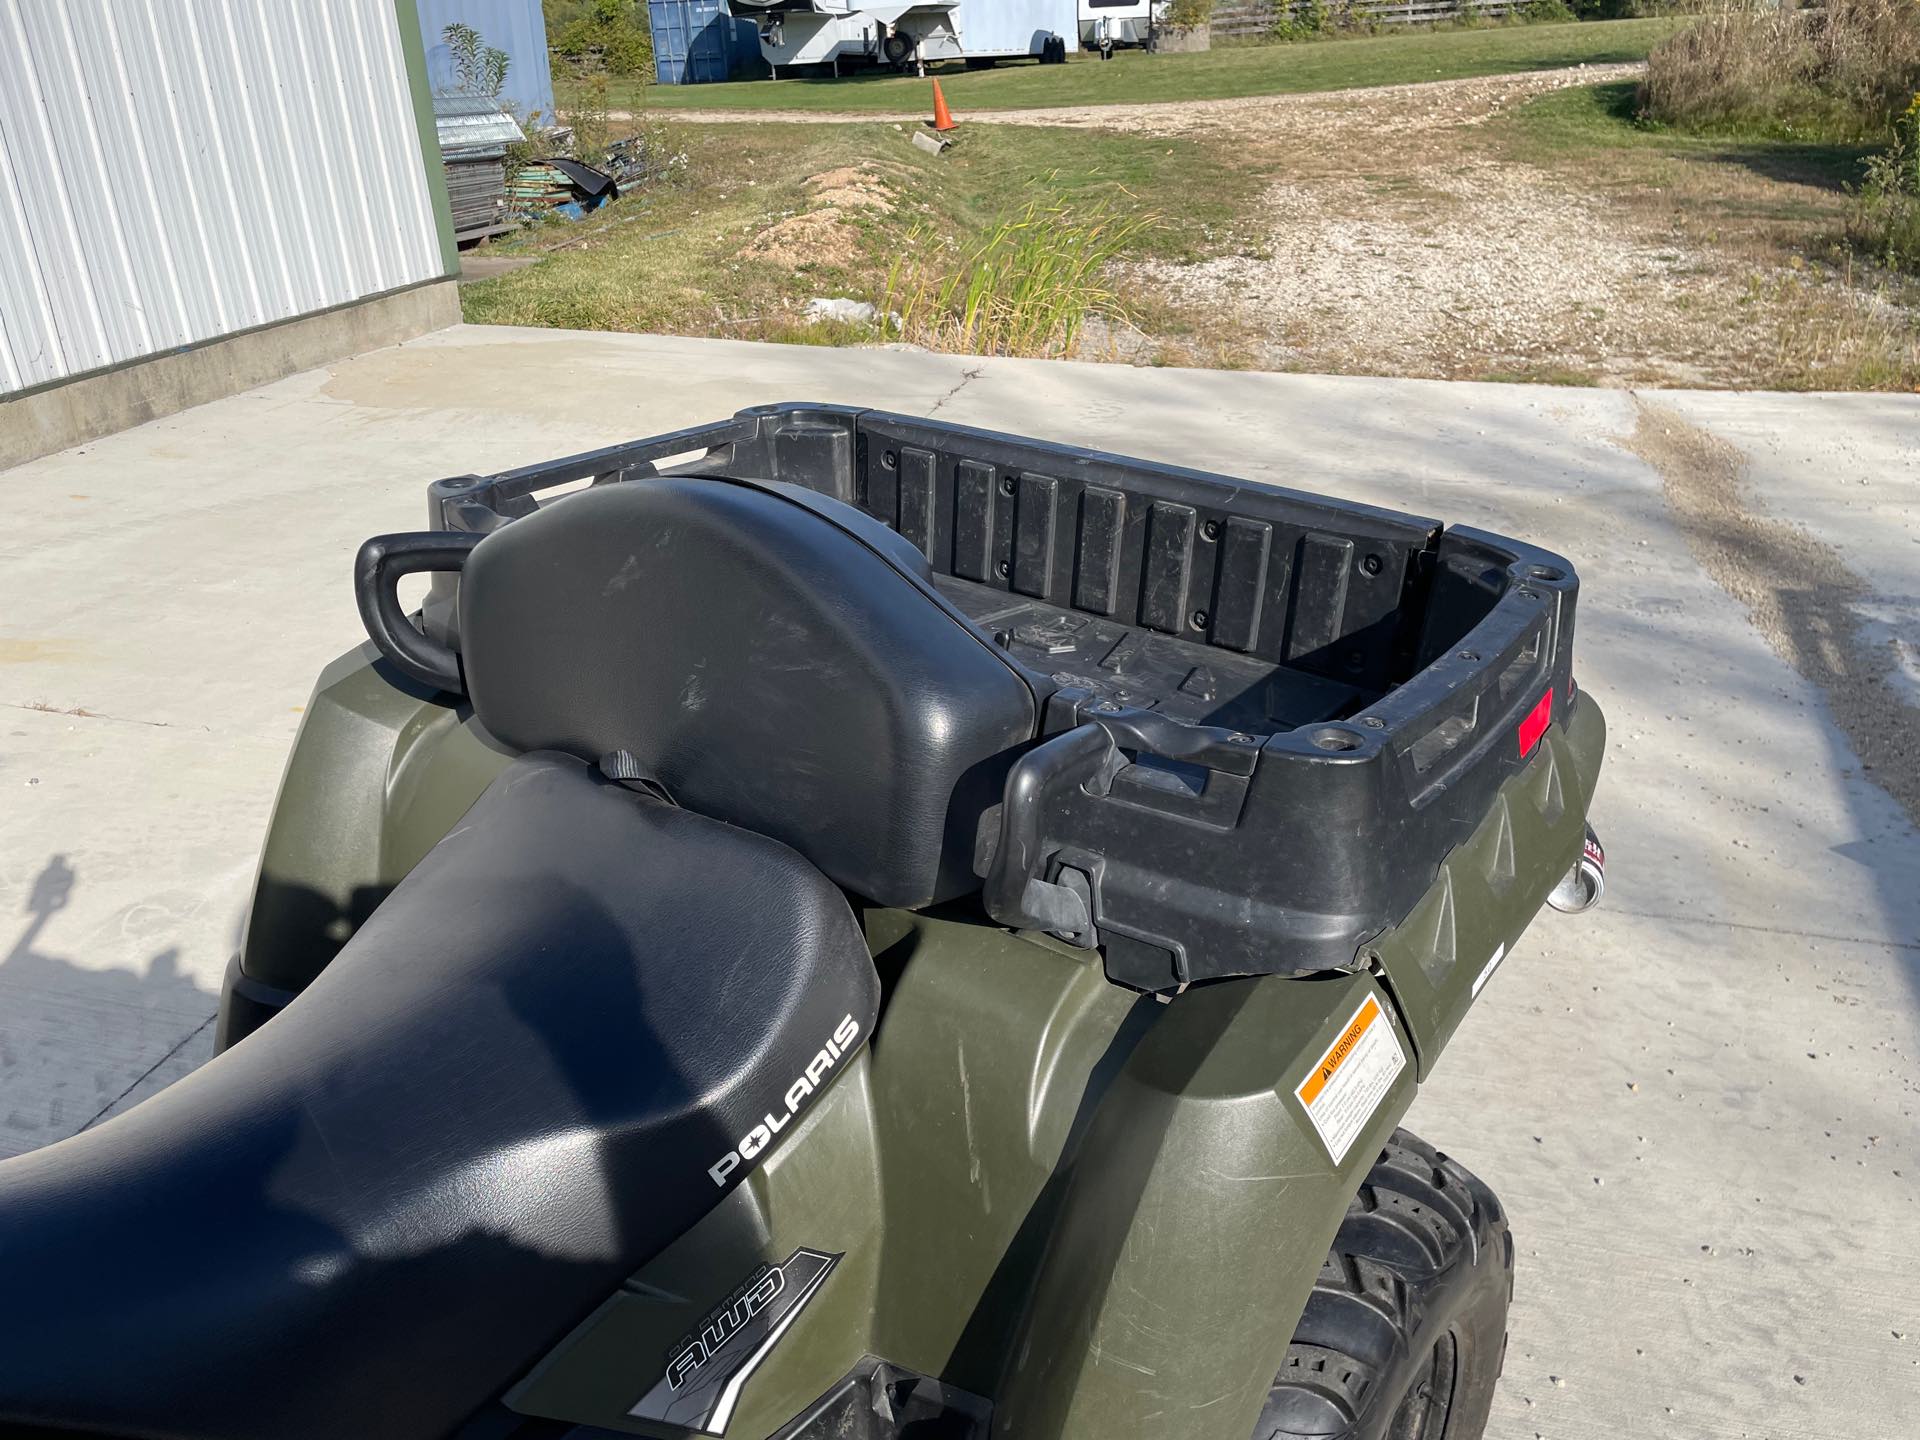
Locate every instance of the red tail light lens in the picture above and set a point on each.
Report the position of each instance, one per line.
(1535, 725)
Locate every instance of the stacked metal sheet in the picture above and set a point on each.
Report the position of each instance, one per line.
(476, 189)
(539, 186)
(561, 187)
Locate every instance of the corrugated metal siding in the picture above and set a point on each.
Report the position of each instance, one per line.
(176, 170)
(515, 26)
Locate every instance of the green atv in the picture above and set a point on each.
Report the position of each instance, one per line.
(842, 927)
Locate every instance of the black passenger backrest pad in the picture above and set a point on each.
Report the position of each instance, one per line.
(772, 669)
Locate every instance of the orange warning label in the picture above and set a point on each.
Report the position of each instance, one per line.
(1347, 1083)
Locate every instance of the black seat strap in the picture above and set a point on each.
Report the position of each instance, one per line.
(623, 768)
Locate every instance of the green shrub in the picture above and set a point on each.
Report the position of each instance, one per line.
(586, 112)
(609, 35)
(1189, 13)
(1300, 19)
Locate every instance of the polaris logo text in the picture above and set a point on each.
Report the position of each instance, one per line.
(756, 1140)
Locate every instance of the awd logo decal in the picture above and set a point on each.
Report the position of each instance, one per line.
(708, 1370)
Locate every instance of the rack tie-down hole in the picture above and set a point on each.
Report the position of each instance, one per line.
(1332, 738)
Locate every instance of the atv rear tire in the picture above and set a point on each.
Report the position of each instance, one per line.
(1404, 1334)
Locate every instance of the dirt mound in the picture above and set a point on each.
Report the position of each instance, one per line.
(826, 234)
(819, 237)
(851, 187)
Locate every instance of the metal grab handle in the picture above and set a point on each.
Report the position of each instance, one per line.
(1016, 893)
(376, 590)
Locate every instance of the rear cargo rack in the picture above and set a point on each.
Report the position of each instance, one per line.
(1269, 715)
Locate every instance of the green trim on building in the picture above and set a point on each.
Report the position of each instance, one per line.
(415, 50)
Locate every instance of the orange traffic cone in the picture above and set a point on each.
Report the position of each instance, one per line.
(942, 117)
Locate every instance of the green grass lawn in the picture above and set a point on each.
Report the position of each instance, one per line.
(1133, 76)
(1576, 122)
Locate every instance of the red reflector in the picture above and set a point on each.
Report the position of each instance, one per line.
(1535, 725)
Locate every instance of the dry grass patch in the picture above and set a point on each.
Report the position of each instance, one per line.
(1480, 268)
(1841, 69)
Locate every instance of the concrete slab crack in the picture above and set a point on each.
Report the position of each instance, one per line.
(966, 379)
(1714, 922)
(82, 713)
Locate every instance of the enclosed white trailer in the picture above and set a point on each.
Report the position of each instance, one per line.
(905, 36)
(1106, 23)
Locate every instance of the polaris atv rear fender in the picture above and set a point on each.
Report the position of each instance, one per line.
(1047, 1190)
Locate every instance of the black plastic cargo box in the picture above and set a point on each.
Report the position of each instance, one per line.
(1313, 701)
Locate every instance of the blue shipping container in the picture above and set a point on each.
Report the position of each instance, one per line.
(695, 41)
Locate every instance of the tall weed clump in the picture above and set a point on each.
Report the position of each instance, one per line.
(1885, 221)
(1027, 288)
(1842, 70)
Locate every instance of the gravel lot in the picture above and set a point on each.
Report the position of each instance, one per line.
(1482, 266)
(1400, 236)
(1411, 107)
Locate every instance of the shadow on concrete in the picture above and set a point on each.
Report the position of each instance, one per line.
(1810, 607)
(75, 1042)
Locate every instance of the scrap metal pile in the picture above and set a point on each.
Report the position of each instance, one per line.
(571, 189)
(491, 195)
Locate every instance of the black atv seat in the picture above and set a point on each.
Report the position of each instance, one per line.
(501, 1098)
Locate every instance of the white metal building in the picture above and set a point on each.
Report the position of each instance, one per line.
(176, 171)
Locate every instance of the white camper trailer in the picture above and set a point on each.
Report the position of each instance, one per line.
(843, 33)
(1107, 23)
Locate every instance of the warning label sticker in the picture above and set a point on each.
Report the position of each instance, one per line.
(1348, 1083)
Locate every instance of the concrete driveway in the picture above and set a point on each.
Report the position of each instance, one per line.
(1698, 1102)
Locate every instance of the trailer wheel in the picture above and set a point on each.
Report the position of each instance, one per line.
(898, 50)
(1404, 1334)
